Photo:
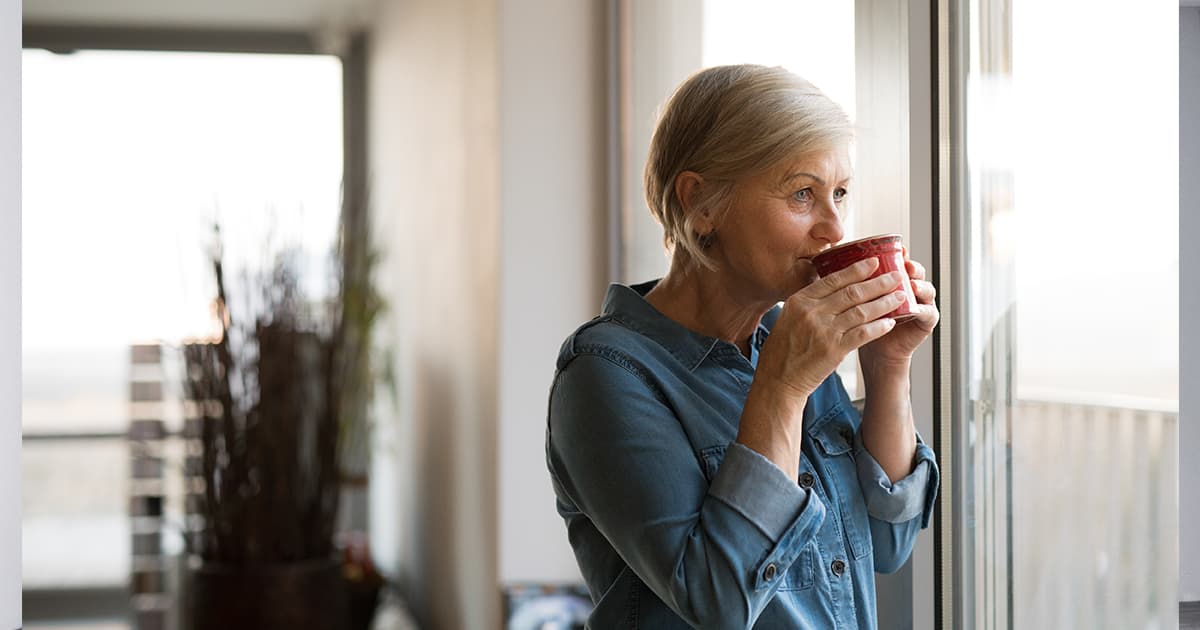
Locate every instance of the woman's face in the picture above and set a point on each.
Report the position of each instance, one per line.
(779, 220)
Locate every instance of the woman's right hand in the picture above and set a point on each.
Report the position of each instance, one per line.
(820, 324)
(825, 321)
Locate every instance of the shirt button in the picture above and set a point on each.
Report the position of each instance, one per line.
(806, 480)
(838, 567)
(769, 572)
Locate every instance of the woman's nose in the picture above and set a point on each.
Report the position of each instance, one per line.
(829, 226)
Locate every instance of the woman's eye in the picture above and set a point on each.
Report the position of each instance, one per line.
(840, 194)
(803, 196)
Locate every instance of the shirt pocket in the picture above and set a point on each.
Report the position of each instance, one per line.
(834, 433)
(834, 437)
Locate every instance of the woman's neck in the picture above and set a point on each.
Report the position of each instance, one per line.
(707, 302)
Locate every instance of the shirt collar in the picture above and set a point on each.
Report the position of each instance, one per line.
(628, 305)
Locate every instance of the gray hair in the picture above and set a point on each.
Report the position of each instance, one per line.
(725, 123)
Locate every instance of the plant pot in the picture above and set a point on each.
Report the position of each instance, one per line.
(307, 595)
(362, 601)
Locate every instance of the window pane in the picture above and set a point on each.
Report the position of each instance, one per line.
(1068, 469)
(128, 160)
(1096, 410)
(75, 528)
(764, 32)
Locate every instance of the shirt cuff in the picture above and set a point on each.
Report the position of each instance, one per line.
(905, 499)
(762, 493)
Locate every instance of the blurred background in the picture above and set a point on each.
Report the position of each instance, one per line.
(476, 163)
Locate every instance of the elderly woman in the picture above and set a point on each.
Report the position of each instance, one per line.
(706, 458)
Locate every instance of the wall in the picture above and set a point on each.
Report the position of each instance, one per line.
(553, 236)
(1189, 304)
(487, 158)
(434, 156)
(10, 314)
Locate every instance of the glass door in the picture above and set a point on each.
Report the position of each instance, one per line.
(1059, 277)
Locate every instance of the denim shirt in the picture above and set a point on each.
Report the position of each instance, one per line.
(675, 525)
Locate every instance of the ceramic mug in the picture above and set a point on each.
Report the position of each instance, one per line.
(888, 248)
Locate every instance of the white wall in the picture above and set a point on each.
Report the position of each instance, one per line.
(10, 314)
(1189, 304)
(553, 236)
(434, 172)
(487, 132)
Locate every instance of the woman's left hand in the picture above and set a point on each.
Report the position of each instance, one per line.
(896, 348)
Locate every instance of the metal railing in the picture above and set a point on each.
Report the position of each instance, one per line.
(1094, 513)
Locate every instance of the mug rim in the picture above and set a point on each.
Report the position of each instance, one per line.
(833, 251)
(866, 239)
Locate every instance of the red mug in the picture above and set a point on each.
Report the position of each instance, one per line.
(888, 248)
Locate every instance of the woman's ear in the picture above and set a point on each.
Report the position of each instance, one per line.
(689, 185)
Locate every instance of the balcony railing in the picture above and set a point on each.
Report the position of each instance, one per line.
(1094, 513)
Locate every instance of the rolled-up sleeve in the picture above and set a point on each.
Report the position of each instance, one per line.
(714, 553)
(897, 511)
(763, 495)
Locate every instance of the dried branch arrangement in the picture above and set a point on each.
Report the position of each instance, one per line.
(278, 394)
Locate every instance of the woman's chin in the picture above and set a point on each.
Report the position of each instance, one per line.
(802, 275)
(806, 272)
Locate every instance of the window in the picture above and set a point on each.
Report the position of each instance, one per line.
(129, 158)
(1062, 221)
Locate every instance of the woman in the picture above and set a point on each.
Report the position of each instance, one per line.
(706, 458)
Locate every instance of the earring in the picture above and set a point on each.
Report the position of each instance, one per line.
(706, 240)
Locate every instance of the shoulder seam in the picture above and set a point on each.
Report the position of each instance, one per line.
(623, 361)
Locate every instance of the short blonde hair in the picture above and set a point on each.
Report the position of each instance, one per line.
(725, 123)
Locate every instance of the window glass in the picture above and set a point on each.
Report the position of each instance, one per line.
(1067, 497)
(128, 160)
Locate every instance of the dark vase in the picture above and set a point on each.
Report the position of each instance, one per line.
(363, 600)
(296, 596)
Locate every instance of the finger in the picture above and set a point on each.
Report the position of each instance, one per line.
(863, 292)
(925, 291)
(916, 270)
(868, 312)
(862, 335)
(838, 280)
(927, 317)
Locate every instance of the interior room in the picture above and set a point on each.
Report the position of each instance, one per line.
(285, 282)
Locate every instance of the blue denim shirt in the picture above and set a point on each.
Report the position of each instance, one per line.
(675, 525)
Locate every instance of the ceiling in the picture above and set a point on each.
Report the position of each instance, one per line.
(283, 15)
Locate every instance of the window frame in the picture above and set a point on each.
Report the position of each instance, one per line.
(949, 176)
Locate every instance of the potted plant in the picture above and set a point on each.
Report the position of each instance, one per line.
(281, 394)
